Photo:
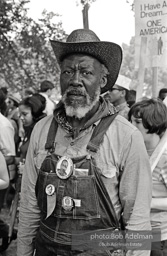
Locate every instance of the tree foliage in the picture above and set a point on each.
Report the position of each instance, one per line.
(26, 56)
(84, 2)
(131, 3)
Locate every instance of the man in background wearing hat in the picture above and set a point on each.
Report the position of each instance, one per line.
(106, 154)
(118, 94)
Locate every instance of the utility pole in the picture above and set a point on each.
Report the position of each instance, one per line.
(85, 16)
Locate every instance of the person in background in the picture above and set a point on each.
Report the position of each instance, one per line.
(162, 93)
(7, 144)
(118, 94)
(46, 88)
(42, 100)
(3, 102)
(31, 111)
(12, 106)
(4, 176)
(7, 154)
(13, 115)
(27, 92)
(5, 91)
(150, 117)
(131, 99)
(4, 183)
(105, 178)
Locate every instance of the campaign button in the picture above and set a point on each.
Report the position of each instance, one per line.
(67, 203)
(64, 168)
(50, 189)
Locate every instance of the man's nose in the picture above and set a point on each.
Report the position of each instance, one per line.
(76, 79)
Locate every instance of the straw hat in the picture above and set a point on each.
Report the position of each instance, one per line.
(123, 81)
(86, 41)
(15, 97)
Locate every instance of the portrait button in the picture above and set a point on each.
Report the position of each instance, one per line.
(72, 143)
(50, 189)
(64, 167)
(67, 203)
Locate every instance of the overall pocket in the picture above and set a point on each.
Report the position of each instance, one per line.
(82, 190)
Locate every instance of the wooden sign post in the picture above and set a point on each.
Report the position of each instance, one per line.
(141, 72)
(155, 82)
(85, 16)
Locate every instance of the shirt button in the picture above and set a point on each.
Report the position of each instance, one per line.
(72, 143)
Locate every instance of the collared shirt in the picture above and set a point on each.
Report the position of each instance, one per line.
(122, 152)
(7, 145)
(50, 106)
(123, 109)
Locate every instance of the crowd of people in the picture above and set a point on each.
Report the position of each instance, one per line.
(18, 116)
(89, 163)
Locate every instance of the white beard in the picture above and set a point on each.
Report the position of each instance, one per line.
(78, 109)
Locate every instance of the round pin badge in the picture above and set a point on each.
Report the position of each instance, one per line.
(67, 203)
(50, 189)
(64, 168)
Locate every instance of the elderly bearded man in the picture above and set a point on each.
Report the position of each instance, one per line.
(109, 173)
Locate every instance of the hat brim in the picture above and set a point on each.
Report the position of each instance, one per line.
(14, 99)
(108, 53)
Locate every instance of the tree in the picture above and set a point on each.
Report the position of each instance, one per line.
(26, 56)
(131, 3)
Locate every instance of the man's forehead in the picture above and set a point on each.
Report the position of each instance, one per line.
(81, 57)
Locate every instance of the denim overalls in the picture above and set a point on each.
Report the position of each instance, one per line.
(92, 210)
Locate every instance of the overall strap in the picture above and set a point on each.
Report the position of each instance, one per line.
(93, 145)
(99, 131)
(50, 144)
(96, 138)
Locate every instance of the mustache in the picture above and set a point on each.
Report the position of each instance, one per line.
(74, 91)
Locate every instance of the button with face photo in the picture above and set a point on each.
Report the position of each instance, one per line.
(64, 168)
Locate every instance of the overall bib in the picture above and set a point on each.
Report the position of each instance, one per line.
(76, 206)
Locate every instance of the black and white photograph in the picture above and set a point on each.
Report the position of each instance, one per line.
(83, 127)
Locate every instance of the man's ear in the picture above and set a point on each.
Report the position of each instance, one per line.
(123, 93)
(103, 81)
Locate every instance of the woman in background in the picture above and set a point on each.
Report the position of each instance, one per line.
(150, 117)
(31, 111)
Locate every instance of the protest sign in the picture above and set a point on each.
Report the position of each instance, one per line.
(151, 22)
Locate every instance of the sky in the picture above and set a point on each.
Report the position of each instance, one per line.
(111, 20)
